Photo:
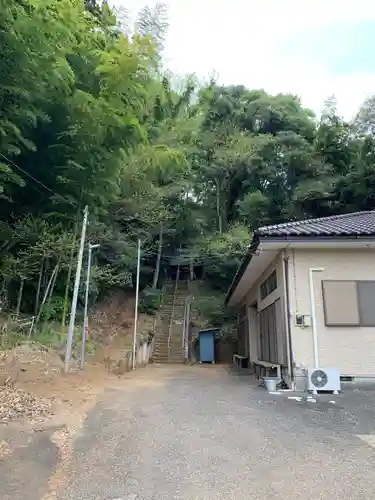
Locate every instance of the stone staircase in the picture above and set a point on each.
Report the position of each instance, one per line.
(172, 308)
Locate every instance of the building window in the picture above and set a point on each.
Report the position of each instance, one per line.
(349, 303)
(366, 302)
(268, 333)
(272, 282)
(268, 285)
(263, 290)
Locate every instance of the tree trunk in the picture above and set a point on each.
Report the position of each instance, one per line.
(66, 296)
(54, 281)
(67, 285)
(19, 298)
(191, 267)
(37, 298)
(52, 285)
(218, 209)
(158, 258)
(3, 296)
(51, 280)
(45, 273)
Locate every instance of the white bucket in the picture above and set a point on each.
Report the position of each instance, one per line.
(270, 383)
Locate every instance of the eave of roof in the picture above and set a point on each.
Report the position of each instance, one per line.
(245, 262)
(324, 228)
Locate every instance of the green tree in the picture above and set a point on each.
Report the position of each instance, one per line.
(89, 115)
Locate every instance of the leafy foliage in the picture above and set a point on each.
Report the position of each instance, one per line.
(150, 300)
(89, 116)
(221, 255)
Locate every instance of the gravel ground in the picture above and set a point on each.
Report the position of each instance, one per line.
(202, 433)
(24, 474)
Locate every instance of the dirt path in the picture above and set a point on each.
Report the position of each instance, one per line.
(194, 433)
(36, 453)
(200, 433)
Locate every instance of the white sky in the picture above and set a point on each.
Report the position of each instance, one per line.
(255, 43)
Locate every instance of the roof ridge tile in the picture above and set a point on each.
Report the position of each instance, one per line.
(354, 223)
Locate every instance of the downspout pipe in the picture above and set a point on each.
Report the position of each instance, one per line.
(313, 312)
(288, 321)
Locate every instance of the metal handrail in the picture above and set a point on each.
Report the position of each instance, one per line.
(184, 323)
(155, 322)
(185, 328)
(160, 305)
(173, 307)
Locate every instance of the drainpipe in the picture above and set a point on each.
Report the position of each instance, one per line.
(313, 313)
(288, 320)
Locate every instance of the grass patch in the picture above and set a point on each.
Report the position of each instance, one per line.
(13, 333)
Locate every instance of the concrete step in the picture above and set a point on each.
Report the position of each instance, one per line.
(176, 353)
(166, 362)
(163, 314)
(179, 351)
(173, 338)
(180, 299)
(166, 359)
(172, 344)
(169, 307)
(166, 348)
(176, 332)
(177, 322)
(175, 312)
(179, 302)
(167, 316)
(172, 348)
(165, 342)
(162, 345)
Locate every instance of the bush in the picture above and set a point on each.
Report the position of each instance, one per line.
(211, 307)
(221, 254)
(53, 309)
(149, 301)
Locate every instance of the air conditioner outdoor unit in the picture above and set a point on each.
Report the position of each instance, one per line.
(324, 379)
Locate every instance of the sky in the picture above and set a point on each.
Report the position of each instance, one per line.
(313, 49)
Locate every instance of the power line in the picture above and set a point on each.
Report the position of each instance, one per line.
(37, 181)
(37, 190)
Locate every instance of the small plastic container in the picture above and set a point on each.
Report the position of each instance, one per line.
(270, 383)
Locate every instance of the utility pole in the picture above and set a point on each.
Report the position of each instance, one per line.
(83, 346)
(73, 309)
(136, 304)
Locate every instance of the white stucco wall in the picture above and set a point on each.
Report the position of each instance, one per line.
(350, 349)
(254, 296)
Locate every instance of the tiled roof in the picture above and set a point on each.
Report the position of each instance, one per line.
(353, 224)
(347, 225)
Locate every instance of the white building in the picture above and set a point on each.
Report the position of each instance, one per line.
(320, 270)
